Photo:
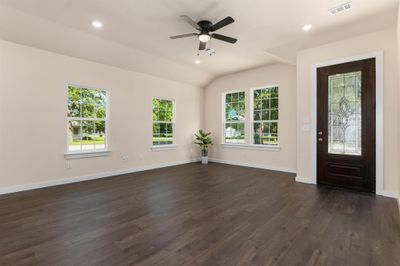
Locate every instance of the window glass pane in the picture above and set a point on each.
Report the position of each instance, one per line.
(235, 97)
(257, 131)
(88, 135)
(228, 97)
(273, 127)
(155, 110)
(265, 116)
(100, 103)
(88, 106)
(257, 96)
(234, 133)
(74, 106)
(265, 127)
(234, 112)
(74, 135)
(168, 134)
(165, 135)
(274, 92)
(241, 111)
(163, 128)
(155, 114)
(344, 113)
(169, 110)
(156, 128)
(274, 114)
(156, 133)
(231, 113)
(240, 132)
(229, 132)
(269, 133)
(241, 96)
(265, 104)
(163, 112)
(100, 135)
(274, 103)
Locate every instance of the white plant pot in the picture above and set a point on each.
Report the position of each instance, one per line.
(204, 156)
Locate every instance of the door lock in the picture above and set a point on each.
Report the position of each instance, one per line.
(320, 133)
(320, 139)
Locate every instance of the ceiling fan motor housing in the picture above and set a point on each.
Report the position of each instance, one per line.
(205, 25)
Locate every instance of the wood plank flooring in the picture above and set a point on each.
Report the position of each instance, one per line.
(198, 215)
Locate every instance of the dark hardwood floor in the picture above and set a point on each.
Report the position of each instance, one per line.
(198, 215)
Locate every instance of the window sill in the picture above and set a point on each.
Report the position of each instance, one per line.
(86, 154)
(251, 146)
(163, 147)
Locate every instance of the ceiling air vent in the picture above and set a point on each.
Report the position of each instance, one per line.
(340, 8)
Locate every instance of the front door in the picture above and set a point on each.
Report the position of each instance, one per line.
(346, 125)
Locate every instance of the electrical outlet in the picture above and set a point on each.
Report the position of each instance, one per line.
(68, 164)
(125, 158)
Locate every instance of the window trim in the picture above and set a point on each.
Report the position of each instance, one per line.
(95, 152)
(268, 146)
(163, 147)
(223, 117)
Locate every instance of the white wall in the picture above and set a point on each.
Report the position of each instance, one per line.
(280, 74)
(382, 40)
(33, 131)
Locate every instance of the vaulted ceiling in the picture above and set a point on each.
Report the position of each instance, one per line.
(135, 33)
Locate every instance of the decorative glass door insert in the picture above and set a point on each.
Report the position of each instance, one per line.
(344, 113)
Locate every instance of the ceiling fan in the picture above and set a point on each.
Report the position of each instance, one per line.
(206, 31)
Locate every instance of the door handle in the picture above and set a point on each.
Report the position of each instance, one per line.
(320, 133)
(320, 139)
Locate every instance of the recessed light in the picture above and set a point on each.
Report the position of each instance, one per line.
(97, 24)
(197, 62)
(307, 27)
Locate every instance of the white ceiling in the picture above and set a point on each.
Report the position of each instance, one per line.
(268, 31)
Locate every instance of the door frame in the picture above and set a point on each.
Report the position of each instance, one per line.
(378, 55)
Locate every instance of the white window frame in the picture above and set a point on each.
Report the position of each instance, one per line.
(272, 147)
(162, 147)
(94, 152)
(224, 118)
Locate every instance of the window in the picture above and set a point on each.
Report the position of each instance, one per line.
(163, 122)
(234, 117)
(265, 116)
(87, 119)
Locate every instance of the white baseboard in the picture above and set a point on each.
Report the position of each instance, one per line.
(19, 188)
(389, 194)
(304, 180)
(267, 167)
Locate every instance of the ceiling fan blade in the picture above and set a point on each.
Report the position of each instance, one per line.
(226, 21)
(191, 22)
(202, 46)
(223, 38)
(183, 36)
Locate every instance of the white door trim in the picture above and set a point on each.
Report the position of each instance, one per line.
(378, 55)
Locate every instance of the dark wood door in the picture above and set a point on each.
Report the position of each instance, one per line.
(346, 125)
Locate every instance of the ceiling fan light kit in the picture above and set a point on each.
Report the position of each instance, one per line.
(206, 31)
(204, 37)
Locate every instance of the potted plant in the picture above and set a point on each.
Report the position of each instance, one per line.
(204, 140)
